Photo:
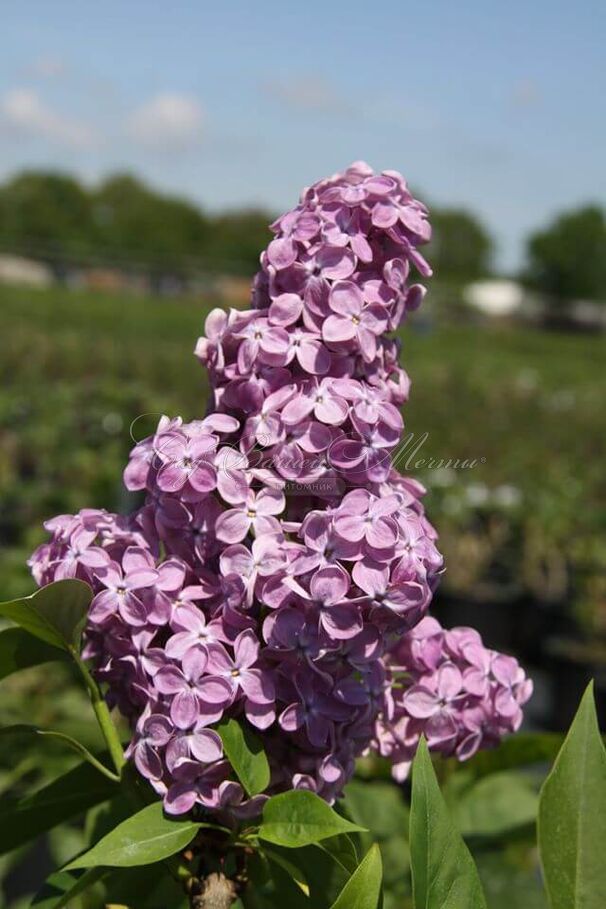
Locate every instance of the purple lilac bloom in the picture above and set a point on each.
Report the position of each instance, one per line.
(463, 696)
(280, 570)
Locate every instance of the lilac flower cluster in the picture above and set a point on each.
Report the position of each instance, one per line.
(280, 569)
(460, 695)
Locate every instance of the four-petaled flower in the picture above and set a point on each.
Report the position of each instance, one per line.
(123, 587)
(438, 705)
(314, 709)
(257, 512)
(353, 320)
(195, 694)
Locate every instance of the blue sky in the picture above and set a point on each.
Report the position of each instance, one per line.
(496, 106)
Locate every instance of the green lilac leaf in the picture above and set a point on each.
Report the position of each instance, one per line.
(54, 614)
(444, 875)
(363, 889)
(20, 650)
(246, 755)
(146, 837)
(301, 818)
(572, 816)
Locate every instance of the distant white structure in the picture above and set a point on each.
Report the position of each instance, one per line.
(589, 314)
(18, 270)
(495, 298)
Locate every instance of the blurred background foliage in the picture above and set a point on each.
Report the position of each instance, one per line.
(124, 221)
(567, 260)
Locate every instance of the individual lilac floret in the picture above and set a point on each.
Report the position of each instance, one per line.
(279, 570)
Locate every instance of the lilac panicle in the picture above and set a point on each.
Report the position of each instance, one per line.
(280, 569)
(460, 695)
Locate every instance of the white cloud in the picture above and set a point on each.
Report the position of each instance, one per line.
(23, 110)
(167, 120)
(308, 94)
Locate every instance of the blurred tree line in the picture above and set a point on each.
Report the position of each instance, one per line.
(461, 248)
(567, 260)
(54, 217)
